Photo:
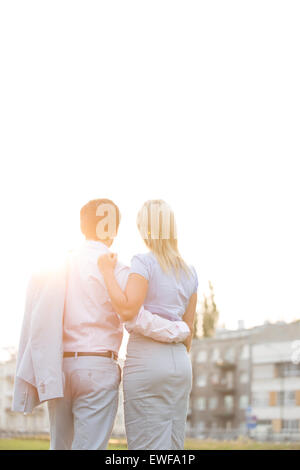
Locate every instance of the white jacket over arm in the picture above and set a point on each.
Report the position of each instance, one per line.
(39, 375)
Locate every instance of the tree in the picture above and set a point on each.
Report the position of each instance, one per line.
(210, 313)
(197, 325)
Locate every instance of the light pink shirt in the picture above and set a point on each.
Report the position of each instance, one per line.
(90, 323)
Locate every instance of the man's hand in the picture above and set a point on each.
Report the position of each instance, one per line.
(187, 343)
(107, 262)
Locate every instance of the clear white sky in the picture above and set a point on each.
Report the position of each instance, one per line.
(194, 102)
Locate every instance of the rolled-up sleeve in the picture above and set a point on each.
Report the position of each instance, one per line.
(121, 273)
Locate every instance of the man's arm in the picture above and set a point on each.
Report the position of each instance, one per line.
(158, 328)
(150, 324)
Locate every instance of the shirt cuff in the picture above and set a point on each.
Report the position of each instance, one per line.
(158, 328)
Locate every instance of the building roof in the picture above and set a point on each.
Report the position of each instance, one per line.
(279, 331)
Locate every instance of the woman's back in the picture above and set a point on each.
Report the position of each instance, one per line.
(168, 294)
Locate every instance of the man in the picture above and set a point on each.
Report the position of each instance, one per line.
(85, 336)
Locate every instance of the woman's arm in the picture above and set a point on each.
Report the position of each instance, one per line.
(128, 303)
(189, 318)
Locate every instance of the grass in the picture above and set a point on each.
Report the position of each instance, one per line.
(43, 444)
(239, 444)
(191, 444)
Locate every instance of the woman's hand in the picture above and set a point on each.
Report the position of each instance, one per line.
(107, 262)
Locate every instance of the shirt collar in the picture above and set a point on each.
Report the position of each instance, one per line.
(96, 244)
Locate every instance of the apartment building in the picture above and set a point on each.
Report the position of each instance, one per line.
(246, 373)
(276, 379)
(221, 382)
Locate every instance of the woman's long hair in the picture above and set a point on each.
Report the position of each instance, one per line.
(157, 226)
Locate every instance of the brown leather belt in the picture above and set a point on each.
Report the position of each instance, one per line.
(104, 354)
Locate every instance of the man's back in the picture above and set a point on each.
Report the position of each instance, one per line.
(90, 323)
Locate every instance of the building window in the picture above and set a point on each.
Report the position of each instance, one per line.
(288, 369)
(228, 402)
(229, 355)
(287, 398)
(244, 402)
(260, 399)
(213, 403)
(201, 403)
(229, 380)
(215, 355)
(202, 356)
(201, 380)
(245, 352)
(264, 422)
(201, 426)
(291, 425)
(215, 378)
(244, 377)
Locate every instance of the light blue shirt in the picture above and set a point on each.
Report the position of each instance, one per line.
(167, 295)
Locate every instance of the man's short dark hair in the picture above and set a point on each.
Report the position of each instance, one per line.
(89, 218)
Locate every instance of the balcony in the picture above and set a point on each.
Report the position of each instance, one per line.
(225, 388)
(225, 365)
(224, 412)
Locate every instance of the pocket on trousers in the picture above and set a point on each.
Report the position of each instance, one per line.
(90, 381)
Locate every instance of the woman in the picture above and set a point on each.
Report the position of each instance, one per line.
(157, 376)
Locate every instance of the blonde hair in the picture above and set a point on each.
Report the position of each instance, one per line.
(157, 226)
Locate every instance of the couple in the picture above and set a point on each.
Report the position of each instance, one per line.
(73, 327)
